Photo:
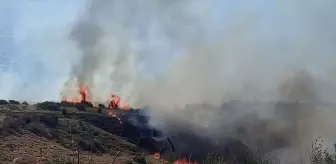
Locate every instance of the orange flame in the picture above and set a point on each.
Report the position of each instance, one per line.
(111, 113)
(156, 156)
(115, 103)
(83, 92)
(184, 161)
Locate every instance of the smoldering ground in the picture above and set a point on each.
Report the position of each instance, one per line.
(283, 57)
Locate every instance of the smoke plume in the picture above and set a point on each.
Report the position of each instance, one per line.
(254, 71)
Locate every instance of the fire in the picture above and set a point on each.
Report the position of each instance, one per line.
(156, 156)
(184, 161)
(111, 113)
(83, 92)
(115, 103)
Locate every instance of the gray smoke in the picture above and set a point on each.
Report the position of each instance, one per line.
(277, 63)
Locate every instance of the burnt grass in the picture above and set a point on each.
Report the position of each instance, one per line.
(81, 127)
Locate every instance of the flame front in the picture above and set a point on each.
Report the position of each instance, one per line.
(113, 102)
(116, 103)
(184, 161)
(82, 97)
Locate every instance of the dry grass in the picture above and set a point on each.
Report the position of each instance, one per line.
(31, 148)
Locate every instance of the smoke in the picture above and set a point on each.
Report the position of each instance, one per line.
(256, 55)
(172, 56)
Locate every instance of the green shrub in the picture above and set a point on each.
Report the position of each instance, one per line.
(24, 103)
(3, 102)
(14, 102)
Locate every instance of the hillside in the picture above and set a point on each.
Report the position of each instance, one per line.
(49, 131)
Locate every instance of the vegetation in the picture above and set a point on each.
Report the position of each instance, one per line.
(24, 103)
(3, 102)
(319, 155)
(64, 111)
(41, 125)
(14, 102)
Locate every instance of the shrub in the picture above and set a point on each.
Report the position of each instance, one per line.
(80, 107)
(99, 110)
(3, 102)
(101, 105)
(38, 128)
(64, 111)
(47, 105)
(321, 155)
(140, 159)
(66, 103)
(24, 103)
(49, 120)
(86, 104)
(14, 102)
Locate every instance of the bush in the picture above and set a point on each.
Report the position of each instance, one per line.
(80, 107)
(24, 103)
(91, 144)
(49, 120)
(3, 102)
(67, 104)
(64, 111)
(14, 102)
(38, 128)
(321, 155)
(140, 159)
(99, 110)
(86, 104)
(47, 105)
(101, 105)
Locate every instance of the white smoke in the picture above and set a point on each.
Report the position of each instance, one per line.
(170, 54)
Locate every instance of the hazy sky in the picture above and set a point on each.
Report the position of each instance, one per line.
(36, 55)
